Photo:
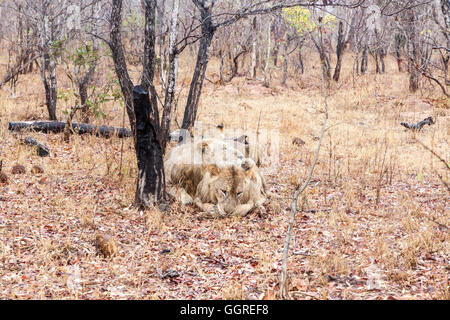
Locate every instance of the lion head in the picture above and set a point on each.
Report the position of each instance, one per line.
(230, 190)
(217, 175)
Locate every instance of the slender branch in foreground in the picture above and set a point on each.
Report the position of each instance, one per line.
(434, 154)
(283, 288)
(447, 164)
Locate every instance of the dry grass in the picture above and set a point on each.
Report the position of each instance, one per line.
(366, 228)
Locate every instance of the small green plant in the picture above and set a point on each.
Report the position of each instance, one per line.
(80, 62)
(84, 56)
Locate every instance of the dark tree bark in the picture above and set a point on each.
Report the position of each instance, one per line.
(301, 65)
(208, 29)
(151, 180)
(376, 58)
(142, 110)
(82, 91)
(364, 59)
(414, 56)
(285, 60)
(382, 55)
(149, 62)
(48, 77)
(118, 55)
(339, 51)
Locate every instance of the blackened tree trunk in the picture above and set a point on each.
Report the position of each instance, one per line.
(142, 111)
(151, 181)
(339, 51)
(208, 29)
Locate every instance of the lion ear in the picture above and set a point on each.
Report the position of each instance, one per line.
(213, 170)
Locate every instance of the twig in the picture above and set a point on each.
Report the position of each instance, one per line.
(283, 289)
(434, 153)
(442, 227)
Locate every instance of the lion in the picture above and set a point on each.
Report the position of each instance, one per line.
(216, 177)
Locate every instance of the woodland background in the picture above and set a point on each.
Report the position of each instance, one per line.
(372, 223)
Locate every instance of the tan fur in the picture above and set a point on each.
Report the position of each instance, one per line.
(217, 176)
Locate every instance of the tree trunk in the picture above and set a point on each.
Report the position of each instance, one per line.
(382, 55)
(150, 187)
(377, 65)
(324, 61)
(339, 52)
(82, 90)
(301, 65)
(445, 8)
(285, 59)
(364, 59)
(149, 62)
(126, 85)
(266, 74)
(399, 42)
(414, 56)
(84, 80)
(254, 51)
(222, 65)
(48, 67)
(208, 29)
(171, 79)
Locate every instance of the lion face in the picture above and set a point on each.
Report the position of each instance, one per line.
(227, 188)
(233, 190)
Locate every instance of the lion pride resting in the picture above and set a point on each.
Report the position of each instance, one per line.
(215, 176)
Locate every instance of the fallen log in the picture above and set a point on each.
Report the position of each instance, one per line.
(418, 126)
(42, 150)
(79, 128)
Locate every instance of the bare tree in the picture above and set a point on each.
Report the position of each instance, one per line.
(142, 102)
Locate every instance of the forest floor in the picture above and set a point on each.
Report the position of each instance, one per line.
(373, 223)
